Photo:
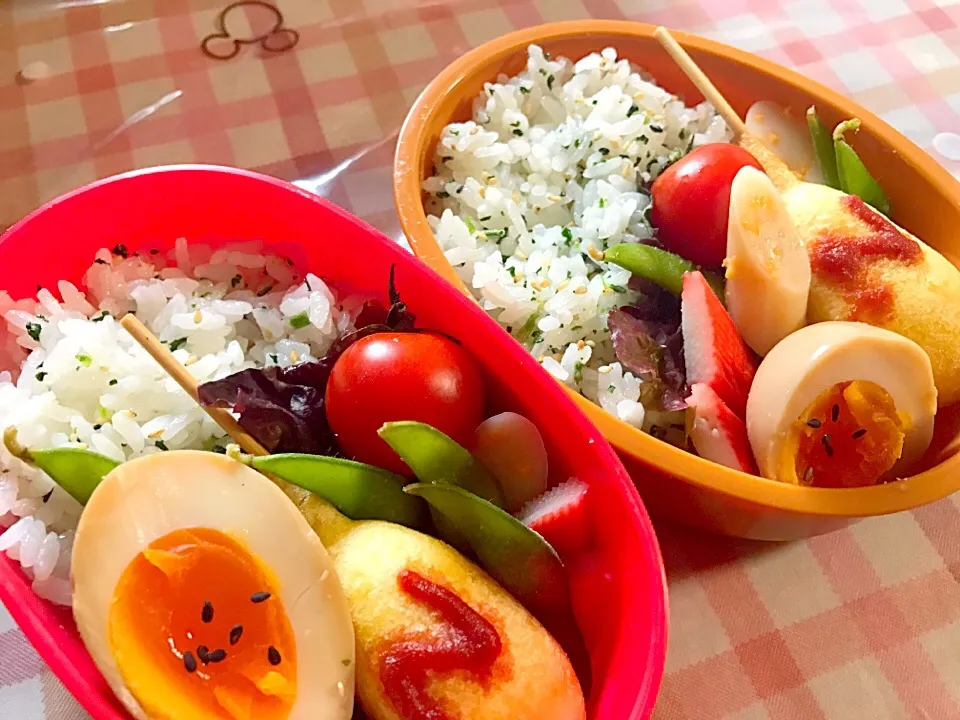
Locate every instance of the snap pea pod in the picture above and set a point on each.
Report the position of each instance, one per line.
(658, 266)
(359, 491)
(76, 470)
(855, 179)
(434, 457)
(514, 555)
(823, 149)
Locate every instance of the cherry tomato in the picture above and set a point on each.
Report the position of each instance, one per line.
(402, 376)
(691, 201)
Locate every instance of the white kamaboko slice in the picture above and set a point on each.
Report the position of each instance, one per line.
(787, 135)
(768, 271)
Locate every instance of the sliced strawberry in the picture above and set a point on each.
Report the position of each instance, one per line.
(560, 516)
(713, 350)
(719, 435)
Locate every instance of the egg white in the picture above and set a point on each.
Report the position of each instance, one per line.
(147, 498)
(817, 357)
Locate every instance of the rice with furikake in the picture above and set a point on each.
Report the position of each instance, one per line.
(553, 169)
(84, 382)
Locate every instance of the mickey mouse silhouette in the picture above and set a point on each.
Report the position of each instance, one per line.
(277, 39)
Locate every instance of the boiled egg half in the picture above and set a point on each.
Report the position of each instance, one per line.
(841, 404)
(201, 592)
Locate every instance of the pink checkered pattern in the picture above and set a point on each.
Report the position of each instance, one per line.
(861, 624)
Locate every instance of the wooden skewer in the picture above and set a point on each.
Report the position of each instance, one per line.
(178, 372)
(700, 80)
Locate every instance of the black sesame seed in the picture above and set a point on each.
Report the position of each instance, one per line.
(120, 250)
(189, 662)
(829, 450)
(46, 498)
(235, 632)
(207, 613)
(203, 652)
(814, 423)
(259, 597)
(273, 655)
(835, 413)
(217, 656)
(857, 434)
(825, 439)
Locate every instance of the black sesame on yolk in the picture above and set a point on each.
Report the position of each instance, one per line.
(189, 641)
(850, 436)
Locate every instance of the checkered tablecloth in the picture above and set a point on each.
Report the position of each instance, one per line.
(861, 624)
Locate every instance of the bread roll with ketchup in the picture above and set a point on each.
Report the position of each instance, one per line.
(435, 633)
(866, 268)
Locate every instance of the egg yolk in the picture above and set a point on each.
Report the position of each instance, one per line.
(848, 437)
(198, 630)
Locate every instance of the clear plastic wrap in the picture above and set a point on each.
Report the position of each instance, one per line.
(314, 91)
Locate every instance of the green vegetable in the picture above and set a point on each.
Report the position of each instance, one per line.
(434, 458)
(823, 148)
(177, 344)
(659, 266)
(855, 179)
(84, 360)
(359, 491)
(33, 330)
(516, 556)
(76, 470)
(299, 321)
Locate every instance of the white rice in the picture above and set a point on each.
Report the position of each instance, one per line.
(84, 382)
(552, 170)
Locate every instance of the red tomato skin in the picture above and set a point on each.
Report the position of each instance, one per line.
(401, 376)
(691, 202)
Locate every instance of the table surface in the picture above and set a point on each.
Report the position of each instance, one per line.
(863, 623)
